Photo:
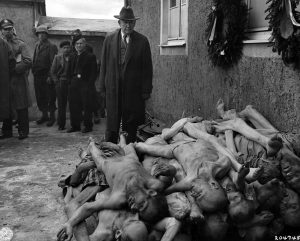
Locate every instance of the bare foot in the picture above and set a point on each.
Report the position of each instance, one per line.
(220, 108)
(274, 145)
(91, 145)
(245, 113)
(240, 181)
(254, 174)
(195, 119)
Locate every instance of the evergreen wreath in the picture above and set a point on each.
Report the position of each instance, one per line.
(225, 32)
(284, 23)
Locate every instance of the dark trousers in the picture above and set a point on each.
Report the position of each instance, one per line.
(23, 122)
(62, 99)
(45, 94)
(130, 123)
(81, 103)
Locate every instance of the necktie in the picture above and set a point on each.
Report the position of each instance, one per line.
(125, 39)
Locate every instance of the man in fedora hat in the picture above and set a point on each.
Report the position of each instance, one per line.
(125, 77)
(44, 86)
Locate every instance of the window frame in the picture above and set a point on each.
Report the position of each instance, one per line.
(172, 45)
(258, 34)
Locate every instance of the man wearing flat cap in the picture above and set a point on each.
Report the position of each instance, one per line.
(20, 97)
(125, 77)
(44, 86)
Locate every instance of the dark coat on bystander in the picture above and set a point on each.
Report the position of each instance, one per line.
(137, 77)
(7, 65)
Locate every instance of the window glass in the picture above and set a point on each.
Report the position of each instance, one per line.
(257, 14)
(184, 20)
(174, 22)
(173, 3)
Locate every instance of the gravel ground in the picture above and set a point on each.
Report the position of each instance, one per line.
(31, 203)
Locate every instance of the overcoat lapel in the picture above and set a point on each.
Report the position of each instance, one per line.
(116, 54)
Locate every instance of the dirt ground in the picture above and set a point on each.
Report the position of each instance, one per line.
(31, 203)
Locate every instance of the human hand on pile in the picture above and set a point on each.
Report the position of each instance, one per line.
(161, 169)
(65, 233)
(49, 81)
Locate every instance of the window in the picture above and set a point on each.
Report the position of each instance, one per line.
(174, 26)
(257, 29)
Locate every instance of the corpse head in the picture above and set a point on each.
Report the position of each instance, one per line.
(270, 195)
(132, 230)
(109, 149)
(208, 193)
(215, 226)
(290, 168)
(240, 209)
(271, 170)
(290, 208)
(150, 205)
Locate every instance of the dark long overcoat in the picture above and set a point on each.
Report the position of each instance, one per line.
(7, 64)
(138, 72)
(19, 79)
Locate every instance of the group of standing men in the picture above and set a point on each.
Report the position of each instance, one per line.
(125, 80)
(67, 76)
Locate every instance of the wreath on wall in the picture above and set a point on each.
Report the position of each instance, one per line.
(284, 22)
(225, 32)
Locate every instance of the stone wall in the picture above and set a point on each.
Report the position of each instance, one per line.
(190, 84)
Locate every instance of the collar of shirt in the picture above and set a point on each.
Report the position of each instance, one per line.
(127, 37)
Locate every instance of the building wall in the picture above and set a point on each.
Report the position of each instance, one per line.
(189, 84)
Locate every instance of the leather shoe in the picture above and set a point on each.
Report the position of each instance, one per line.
(42, 120)
(50, 122)
(6, 135)
(73, 129)
(86, 129)
(22, 136)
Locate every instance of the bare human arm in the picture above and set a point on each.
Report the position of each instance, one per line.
(170, 227)
(115, 201)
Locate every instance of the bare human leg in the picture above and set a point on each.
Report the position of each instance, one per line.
(194, 132)
(272, 145)
(257, 119)
(80, 231)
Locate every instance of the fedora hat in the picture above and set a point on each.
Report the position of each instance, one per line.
(126, 13)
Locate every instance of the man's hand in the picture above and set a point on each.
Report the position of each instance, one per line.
(49, 80)
(162, 169)
(65, 233)
(146, 96)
